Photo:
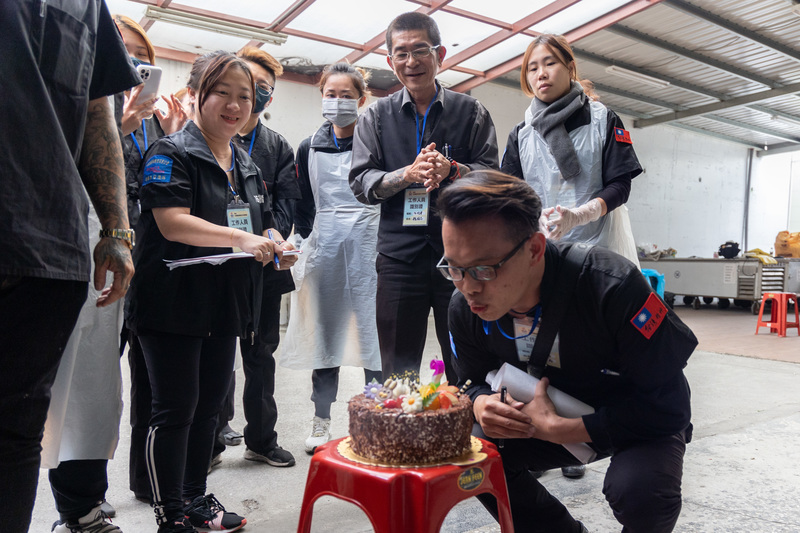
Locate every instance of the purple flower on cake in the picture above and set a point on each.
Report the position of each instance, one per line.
(437, 365)
(372, 389)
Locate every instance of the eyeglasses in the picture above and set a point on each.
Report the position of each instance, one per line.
(265, 89)
(480, 273)
(419, 53)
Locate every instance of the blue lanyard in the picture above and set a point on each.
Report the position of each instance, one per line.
(253, 140)
(136, 143)
(334, 138)
(420, 135)
(233, 163)
(537, 315)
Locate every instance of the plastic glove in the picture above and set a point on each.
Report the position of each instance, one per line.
(544, 222)
(565, 219)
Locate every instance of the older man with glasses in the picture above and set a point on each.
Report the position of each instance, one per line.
(584, 319)
(406, 148)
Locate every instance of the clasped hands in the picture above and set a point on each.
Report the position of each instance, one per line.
(429, 168)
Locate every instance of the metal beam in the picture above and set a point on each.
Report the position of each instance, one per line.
(675, 82)
(732, 27)
(609, 19)
(521, 25)
(374, 43)
(722, 136)
(638, 97)
(774, 112)
(291, 13)
(175, 55)
(778, 149)
(636, 35)
(578, 33)
(752, 127)
(711, 108)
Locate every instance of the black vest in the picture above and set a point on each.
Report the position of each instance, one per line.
(451, 122)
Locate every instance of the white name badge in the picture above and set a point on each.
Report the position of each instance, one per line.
(555, 357)
(522, 328)
(239, 218)
(416, 207)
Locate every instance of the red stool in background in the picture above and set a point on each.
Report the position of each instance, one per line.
(402, 500)
(778, 313)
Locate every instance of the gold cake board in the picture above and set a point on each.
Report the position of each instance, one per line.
(474, 456)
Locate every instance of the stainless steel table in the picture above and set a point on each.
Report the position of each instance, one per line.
(742, 279)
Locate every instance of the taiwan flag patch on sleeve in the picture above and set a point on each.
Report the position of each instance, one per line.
(650, 316)
(622, 136)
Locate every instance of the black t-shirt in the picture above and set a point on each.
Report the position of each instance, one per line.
(57, 56)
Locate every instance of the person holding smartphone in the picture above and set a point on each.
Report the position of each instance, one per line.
(333, 321)
(200, 196)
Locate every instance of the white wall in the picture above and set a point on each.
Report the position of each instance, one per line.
(691, 196)
(774, 198)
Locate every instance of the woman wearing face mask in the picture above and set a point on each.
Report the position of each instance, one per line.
(574, 151)
(200, 196)
(332, 322)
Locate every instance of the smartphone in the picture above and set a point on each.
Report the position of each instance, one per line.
(151, 78)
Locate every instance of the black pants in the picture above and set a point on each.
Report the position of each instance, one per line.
(642, 485)
(140, 411)
(37, 317)
(405, 295)
(189, 378)
(325, 385)
(78, 487)
(258, 398)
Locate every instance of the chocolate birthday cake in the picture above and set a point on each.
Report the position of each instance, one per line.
(404, 423)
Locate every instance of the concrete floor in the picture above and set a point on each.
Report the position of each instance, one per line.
(740, 471)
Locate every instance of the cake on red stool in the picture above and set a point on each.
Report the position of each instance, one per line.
(409, 458)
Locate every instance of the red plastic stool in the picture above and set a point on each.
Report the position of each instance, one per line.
(778, 313)
(400, 500)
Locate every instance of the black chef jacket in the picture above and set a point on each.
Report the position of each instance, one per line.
(635, 384)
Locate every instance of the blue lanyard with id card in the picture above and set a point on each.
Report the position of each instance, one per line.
(524, 341)
(239, 216)
(417, 200)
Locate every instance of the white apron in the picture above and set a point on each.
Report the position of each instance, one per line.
(332, 319)
(539, 167)
(86, 398)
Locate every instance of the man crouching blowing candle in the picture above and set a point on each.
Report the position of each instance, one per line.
(583, 320)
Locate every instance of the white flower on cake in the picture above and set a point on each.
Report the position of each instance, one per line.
(412, 403)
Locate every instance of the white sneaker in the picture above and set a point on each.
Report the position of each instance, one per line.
(320, 434)
(94, 522)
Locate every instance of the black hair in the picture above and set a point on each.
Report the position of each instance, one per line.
(413, 21)
(491, 193)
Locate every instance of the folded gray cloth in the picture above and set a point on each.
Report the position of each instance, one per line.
(548, 120)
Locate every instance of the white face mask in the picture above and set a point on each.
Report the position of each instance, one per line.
(341, 111)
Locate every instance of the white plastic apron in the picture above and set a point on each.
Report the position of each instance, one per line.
(332, 319)
(86, 402)
(539, 167)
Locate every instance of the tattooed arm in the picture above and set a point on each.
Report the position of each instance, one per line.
(103, 175)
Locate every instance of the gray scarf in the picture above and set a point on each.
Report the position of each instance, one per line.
(548, 121)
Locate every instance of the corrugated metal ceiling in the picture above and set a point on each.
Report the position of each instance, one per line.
(733, 66)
